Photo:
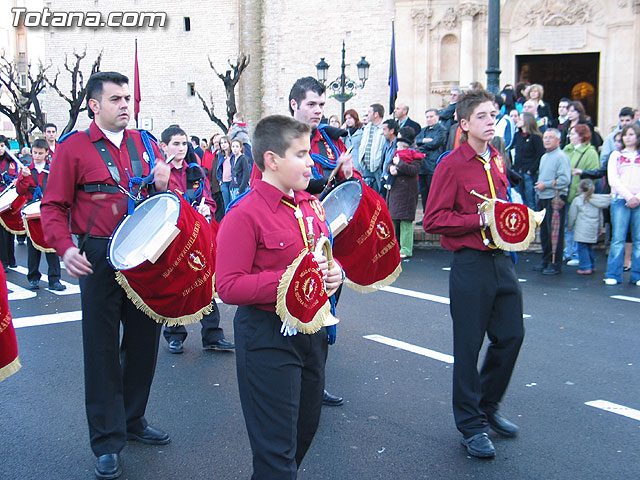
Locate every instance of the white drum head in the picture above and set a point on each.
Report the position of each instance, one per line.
(343, 200)
(32, 209)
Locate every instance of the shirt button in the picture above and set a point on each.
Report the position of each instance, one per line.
(282, 244)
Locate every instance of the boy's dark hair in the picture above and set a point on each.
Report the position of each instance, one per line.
(468, 102)
(391, 125)
(275, 134)
(626, 112)
(301, 87)
(94, 85)
(40, 143)
(4, 140)
(47, 125)
(170, 132)
(407, 133)
(195, 139)
(377, 108)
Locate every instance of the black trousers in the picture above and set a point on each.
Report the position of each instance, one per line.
(485, 299)
(211, 331)
(33, 264)
(281, 381)
(7, 247)
(117, 374)
(424, 185)
(546, 230)
(220, 206)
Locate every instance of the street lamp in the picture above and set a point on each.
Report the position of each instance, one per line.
(343, 87)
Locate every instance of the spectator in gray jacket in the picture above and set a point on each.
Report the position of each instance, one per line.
(554, 177)
(431, 141)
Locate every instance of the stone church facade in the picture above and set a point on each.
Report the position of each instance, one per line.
(583, 49)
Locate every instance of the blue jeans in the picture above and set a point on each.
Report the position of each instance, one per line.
(226, 194)
(585, 256)
(570, 249)
(525, 188)
(623, 218)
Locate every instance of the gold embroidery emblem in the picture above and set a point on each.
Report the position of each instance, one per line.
(499, 163)
(330, 154)
(382, 230)
(318, 209)
(196, 261)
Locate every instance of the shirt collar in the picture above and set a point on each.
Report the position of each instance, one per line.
(96, 134)
(271, 194)
(469, 153)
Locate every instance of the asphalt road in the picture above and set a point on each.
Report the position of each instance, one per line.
(581, 345)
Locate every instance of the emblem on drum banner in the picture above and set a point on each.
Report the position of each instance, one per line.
(382, 230)
(196, 261)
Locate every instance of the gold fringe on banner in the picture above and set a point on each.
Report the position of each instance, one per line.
(169, 321)
(35, 245)
(535, 219)
(8, 370)
(13, 232)
(385, 282)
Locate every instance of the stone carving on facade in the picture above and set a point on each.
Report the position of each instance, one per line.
(635, 5)
(421, 19)
(450, 19)
(469, 9)
(622, 3)
(552, 13)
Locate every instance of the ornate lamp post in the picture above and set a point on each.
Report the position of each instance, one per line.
(343, 87)
(493, 62)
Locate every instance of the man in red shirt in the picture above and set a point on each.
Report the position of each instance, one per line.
(84, 197)
(32, 182)
(485, 294)
(9, 175)
(280, 376)
(50, 134)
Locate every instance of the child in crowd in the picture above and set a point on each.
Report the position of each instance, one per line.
(32, 181)
(403, 195)
(585, 221)
(240, 171)
(280, 378)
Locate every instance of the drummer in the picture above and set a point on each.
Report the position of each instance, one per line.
(83, 199)
(486, 298)
(188, 179)
(280, 378)
(32, 181)
(9, 171)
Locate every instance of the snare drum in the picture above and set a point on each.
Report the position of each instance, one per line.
(10, 206)
(163, 254)
(33, 227)
(364, 241)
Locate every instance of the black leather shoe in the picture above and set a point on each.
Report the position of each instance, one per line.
(501, 425)
(57, 286)
(175, 346)
(108, 466)
(540, 268)
(331, 400)
(34, 284)
(221, 344)
(150, 436)
(551, 271)
(479, 445)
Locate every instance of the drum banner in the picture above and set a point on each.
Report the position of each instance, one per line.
(33, 228)
(11, 219)
(367, 248)
(9, 361)
(302, 301)
(178, 288)
(512, 225)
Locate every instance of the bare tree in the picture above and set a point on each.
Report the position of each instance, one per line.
(77, 94)
(230, 79)
(23, 109)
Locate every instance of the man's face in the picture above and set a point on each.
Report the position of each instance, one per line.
(550, 141)
(310, 110)
(203, 144)
(625, 120)
(432, 118)
(481, 125)
(50, 134)
(371, 115)
(454, 96)
(39, 154)
(562, 109)
(112, 110)
(531, 107)
(400, 111)
(388, 134)
(177, 146)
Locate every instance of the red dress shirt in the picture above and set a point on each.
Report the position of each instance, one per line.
(66, 208)
(26, 184)
(258, 239)
(451, 210)
(178, 184)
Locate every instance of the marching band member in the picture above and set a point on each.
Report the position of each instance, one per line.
(84, 197)
(280, 377)
(32, 181)
(9, 171)
(188, 179)
(485, 294)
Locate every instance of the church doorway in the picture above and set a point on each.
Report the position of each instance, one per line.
(571, 75)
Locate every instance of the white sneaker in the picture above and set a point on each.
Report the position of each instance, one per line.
(573, 263)
(613, 281)
(638, 283)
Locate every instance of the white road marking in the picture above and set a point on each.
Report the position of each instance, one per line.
(425, 352)
(615, 408)
(628, 299)
(49, 319)
(71, 288)
(19, 293)
(425, 296)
